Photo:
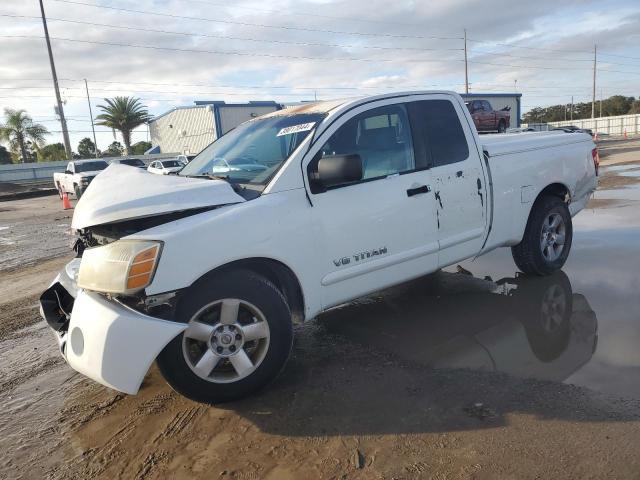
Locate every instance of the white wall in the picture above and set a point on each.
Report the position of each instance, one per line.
(184, 130)
(232, 116)
(608, 125)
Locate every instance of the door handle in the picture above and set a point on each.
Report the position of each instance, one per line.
(418, 190)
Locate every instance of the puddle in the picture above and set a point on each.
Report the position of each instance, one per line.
(527, 327)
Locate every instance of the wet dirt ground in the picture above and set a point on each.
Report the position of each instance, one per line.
(474, 372)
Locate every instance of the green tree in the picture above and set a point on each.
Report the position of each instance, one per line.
(18, 128)
(616, 105)
(113, 150)
(52, 153)
(140, 147)
(86, 148)
(5, 156)
(123, 114)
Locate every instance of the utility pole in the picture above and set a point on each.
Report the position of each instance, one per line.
(600, 102)
(93, 129)
(593, 101)
(572, 108)
(63, 121)
(466, 67)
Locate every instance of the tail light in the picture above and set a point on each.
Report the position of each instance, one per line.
(596, 159)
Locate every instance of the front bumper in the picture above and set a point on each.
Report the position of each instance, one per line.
(102, 338)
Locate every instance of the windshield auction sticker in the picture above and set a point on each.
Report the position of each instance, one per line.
(303, 127)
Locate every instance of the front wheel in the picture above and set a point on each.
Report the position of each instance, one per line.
(238, 338)
(547, 238)
(77, 191)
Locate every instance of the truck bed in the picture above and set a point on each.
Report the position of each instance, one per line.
(508, 143)
(521, 164)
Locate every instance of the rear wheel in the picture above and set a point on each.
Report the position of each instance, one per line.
(547, 238)
(502, 126)
(238, 338)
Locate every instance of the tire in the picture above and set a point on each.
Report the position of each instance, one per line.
(60, 192)
(185, 361)
(531, 255)
(502, 126)
(77, 191)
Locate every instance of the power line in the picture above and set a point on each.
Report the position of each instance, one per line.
(589, 60)
(223, 52)
(307, 14)
(294, 57)
(292, 87)
(587, 52)
(260, 25)
(229, 37)
(513, 45)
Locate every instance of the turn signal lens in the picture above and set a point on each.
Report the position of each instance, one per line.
(142, 268)
(125, 266)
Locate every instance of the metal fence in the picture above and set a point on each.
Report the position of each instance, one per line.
(32, 172)
(618, 125)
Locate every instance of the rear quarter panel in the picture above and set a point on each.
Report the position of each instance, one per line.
(519, 176)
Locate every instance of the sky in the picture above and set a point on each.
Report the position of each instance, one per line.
(173, 52)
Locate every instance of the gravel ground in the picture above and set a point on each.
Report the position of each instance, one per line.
(445, 377)
(32, 230)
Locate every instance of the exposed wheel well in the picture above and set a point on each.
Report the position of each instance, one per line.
(277, 273)
(557, 190)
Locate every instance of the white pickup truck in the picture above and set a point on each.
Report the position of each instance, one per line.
(77, 176)
(206, 274)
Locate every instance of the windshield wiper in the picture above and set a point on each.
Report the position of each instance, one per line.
(210, 177)
(236, 186)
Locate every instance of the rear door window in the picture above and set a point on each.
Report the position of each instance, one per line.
(437, 127)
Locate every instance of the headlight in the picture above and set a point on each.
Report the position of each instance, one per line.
(125, 266)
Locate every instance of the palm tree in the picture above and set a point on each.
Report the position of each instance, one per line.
(18, 129)
(123, 114)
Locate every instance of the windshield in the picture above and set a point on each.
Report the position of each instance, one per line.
(171, 163)
(90, 166)
(134, 162)
(254, 151)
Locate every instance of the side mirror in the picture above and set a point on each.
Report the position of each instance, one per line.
(338, 169)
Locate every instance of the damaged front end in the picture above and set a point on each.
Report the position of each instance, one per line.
(108, 336)
(107, 327)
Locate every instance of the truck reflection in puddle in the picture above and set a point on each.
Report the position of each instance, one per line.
(524, 326)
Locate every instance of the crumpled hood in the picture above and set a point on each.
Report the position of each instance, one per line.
(124, 193)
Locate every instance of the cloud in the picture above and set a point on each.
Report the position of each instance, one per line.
(375, 46)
